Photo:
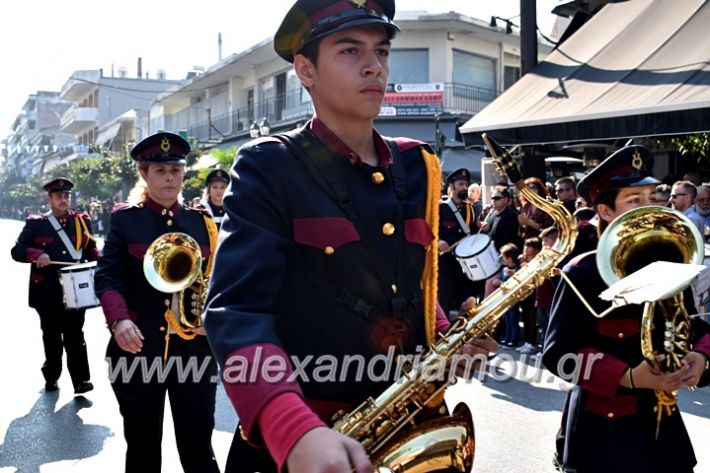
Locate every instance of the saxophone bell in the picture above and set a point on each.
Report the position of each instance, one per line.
(408, 428)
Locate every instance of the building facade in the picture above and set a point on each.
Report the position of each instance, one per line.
(444, 68)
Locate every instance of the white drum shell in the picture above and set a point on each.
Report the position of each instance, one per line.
(478, 257)
(78, 285)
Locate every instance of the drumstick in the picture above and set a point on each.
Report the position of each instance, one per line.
(58, 262)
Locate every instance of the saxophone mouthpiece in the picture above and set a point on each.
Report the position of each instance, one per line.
(503, 158)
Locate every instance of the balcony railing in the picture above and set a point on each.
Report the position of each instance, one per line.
(78, 119)
(292, 107)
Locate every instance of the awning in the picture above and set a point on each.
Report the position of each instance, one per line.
(457, 158)
(108, 134)
(637, 68)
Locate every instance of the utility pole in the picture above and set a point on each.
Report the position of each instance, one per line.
(528, 35)
(532, 165)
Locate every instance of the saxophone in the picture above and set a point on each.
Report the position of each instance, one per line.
(407, 428)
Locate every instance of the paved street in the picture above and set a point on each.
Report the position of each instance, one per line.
(40, 432)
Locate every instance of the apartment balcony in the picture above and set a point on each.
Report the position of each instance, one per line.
(79, 85)
(77, 120)
(294, 107)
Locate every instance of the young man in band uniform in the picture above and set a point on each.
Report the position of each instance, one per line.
(609, 423)
(322, 249)
(41, 244)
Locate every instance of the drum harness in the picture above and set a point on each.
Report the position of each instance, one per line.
(457, 213)
(75, 253)
(318, 162)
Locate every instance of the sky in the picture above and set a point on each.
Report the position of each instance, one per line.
(43, 42)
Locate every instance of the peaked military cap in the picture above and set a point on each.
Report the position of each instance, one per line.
(216, 175)
(309, 20)
(162, 148)
(60, 184)
(462, 174)
(630, 166)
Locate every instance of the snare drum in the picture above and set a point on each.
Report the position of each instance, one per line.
(78, 285)
(477, 256)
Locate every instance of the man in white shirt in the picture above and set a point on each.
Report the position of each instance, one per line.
(683, 196)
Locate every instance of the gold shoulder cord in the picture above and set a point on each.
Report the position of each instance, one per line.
(170, 317)
(213, 235)
(431, 263)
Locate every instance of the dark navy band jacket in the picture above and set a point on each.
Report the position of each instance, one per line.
(297, 278)
(37, 237)
(216, 211)
(606, 427)
(120, 283)
(449, 227)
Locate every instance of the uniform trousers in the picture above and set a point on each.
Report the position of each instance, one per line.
(63, 330)
(454, 286)
(141, 399)
(244, 458)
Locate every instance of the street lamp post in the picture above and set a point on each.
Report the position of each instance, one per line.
(439, 137)
(263, 128)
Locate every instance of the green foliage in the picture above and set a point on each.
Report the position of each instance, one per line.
(695, 147)
(225, 157)
(16, 193)
(101, 177)
(697, 144)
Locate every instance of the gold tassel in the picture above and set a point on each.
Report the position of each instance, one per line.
(78, 233)
(431, 262)
(171, 319)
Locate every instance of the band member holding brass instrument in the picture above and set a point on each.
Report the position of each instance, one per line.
(613, 419)
(215, 185)
(49, 241)
(157, 331)
(327, 250)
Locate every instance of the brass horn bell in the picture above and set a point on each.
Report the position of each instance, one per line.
(173, 263)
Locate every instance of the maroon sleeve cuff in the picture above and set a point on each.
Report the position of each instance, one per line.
(703, 345)
(283, 421)
(254, 375)
(600, 372)
(442, 322)
(33, 254)
(114, 306)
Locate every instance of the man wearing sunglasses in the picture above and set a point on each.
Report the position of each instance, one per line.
(683, 196)
(565, 191)
(504, 227)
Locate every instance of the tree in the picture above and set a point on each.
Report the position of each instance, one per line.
(106, 177)
(194, 181)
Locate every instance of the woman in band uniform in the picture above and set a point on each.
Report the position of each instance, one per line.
(143, 322)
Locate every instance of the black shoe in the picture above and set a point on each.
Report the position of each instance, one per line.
(51, 386)
(83, 387)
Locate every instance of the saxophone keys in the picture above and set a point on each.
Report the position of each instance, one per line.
(384, 428)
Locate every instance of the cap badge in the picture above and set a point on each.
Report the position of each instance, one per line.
(61, 183)
(636, 161)
(358, 3)
(165, 145)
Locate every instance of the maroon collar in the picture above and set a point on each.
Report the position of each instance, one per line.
(384, 153)
(159, 209)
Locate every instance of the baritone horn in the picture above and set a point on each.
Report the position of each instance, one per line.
(173, 263)
(634, 240)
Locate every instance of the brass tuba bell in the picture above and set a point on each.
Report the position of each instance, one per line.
(173, 263)
(644, 235)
